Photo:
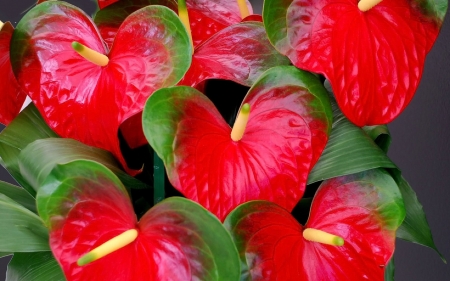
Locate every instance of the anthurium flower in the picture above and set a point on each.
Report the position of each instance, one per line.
(350, 233)
(11, 95)
(374, 59)
(94, 233)
(82, 99)
(207, 17)
(288, 127)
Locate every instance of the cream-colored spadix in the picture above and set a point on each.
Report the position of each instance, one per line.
(316, 235)
(241, 123)
(1, 24)
(109, 246)
(365, 5)
(243, 8)
(90, 55)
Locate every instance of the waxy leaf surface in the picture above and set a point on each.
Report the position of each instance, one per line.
(19, 195)
(82, 100)
(373, 59)
(37, 266)
(11, 95)
(38, 158)
(85, 205)
(288, 127)
(349, 150)
(28, 132)
(415, 227)
(240, 53)
(364, 209)
(23, 130)
(22, 230)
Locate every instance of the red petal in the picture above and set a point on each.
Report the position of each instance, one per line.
(11, 95)
(373, 59)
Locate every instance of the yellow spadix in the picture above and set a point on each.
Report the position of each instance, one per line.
(315, 235)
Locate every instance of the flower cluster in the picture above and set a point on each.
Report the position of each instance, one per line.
(195, 140)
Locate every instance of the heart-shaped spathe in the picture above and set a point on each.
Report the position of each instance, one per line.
(288, 128)
(84, 205)
(364, 209)
(374, 59)
(82, 100)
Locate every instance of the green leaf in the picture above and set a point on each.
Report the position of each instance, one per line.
(38, 159)
(27, 127)
(5, 254)
(389, 271)
(349, 150)
(19, 195)
(38, 266)
(21, 229)
(380, 135)
(415, 227)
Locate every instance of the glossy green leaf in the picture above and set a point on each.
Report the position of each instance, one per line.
(38, 266)
(415, 227)
(380, 135)
(21, 229)
(38, 159)
(349, 150)
(389, 271)
(19, 195)
(27, 127)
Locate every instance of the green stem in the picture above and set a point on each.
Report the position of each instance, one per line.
(158, 179)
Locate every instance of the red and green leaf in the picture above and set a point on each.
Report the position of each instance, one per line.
(287, 130)
(11, 95)
(109, 19)
(81, 100)
(85, 205)
(373, 59)
(364, 209)
(240, 53)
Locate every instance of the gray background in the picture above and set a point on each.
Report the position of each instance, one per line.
(420, 148)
